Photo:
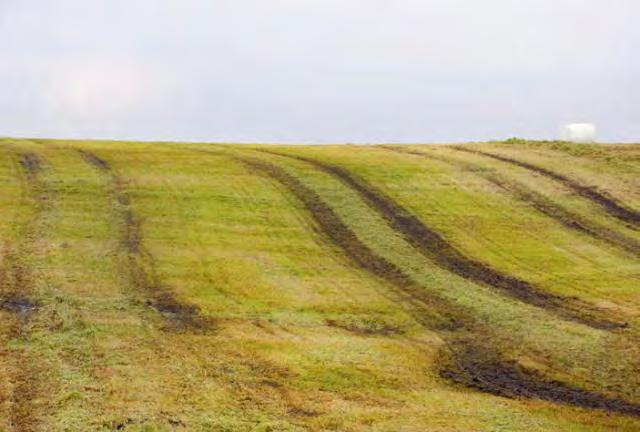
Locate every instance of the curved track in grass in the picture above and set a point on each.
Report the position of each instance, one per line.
(608, 204)
(436, 248)
(562, 215)
(141, 266)
(473, 361)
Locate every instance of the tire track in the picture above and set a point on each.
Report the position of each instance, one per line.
(332, 227)
(564, 216)
(481, 370)
(17, 287)
(608, 204)
(471, 361)
(141, 267)
(434, 247)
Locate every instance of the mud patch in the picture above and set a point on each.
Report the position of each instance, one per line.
(17, 304)
(477, 368)
(31, 164)
(434, 247)
(608, 204)
(95, 160)
(140, 263)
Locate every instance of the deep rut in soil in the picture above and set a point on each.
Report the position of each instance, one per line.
(434, 247)
(140, 263)
(17, 286)
(469, 362)
(608, 204)
(564, 216)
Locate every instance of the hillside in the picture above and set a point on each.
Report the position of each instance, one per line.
(177, 286)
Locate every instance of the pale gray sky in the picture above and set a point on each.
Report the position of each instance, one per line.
(318, 70)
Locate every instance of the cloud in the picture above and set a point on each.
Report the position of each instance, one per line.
(98, 87)
(318, 70)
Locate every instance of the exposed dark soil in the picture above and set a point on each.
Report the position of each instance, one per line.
(17, 304)
(433, 246)
(608, 204)
(31, 164)
(472, 360)
(140, 263)
(94, 160)
(476, 367)
(538, 201)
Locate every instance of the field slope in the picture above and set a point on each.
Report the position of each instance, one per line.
(211, 287)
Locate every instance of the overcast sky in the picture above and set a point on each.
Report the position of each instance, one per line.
(319, 70)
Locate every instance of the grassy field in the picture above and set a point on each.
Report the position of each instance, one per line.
(177, 286)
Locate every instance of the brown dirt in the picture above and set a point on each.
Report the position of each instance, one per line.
(31, 164)
(476, 367)
(608, 204)
(471, 360)
(140, 263)
(94, 160)
(538, 201)
(433, 246)
(17, 304)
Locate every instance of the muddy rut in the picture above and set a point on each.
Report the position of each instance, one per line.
(141, 269)
(564, 216)
(480, 369)
(17, 289)
(471, 359)
(608, 204)
(434, 247)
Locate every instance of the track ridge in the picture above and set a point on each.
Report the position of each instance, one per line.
(608, 204)
(140, 263)
(17, 286)
(565, 217)
(434, 247)
(470, 362)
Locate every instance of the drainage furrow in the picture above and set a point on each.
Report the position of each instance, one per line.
(608, 204)
(471, 360)
(433, 246)
(141, 268)
(538, 201)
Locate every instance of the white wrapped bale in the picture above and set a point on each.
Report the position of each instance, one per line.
(579, 133)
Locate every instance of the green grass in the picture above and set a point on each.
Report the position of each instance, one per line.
(300, 337)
